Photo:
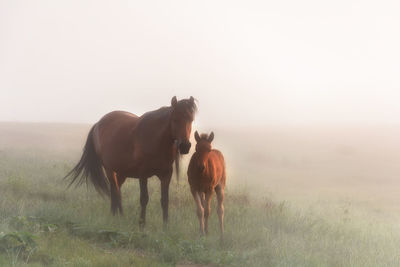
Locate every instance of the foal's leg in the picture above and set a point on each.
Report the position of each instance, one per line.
(200, 209)
(144, 199)
(115, 191)
(207, 209)
(203, 199)
(220, 206)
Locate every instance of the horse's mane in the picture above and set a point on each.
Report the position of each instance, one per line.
(189, 105)
(185, 105)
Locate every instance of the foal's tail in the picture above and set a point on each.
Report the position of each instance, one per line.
(90, 166)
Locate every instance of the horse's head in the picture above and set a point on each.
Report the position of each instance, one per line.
(203, 148)
(181, 122)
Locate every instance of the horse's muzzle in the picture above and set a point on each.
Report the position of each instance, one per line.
(184, 147)
(201, 168)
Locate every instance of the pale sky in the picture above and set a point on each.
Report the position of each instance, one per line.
(247, 62)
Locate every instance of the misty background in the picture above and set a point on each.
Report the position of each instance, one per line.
(252, 63)
(303, 97)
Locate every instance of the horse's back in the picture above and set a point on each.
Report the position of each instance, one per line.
(112, 135)
(118, 117)
(116, 125)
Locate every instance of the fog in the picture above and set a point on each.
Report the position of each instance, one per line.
(248, 63)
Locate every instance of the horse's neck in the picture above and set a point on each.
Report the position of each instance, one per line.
(154, 130)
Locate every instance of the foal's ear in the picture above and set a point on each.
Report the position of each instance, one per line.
(196, 136)
(192, 99)
(174, 101)
(211, 137)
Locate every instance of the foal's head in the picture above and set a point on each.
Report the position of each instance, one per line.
(181, 122)
(203, 148)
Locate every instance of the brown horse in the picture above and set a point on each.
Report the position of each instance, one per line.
(122, 145)
(206, 173)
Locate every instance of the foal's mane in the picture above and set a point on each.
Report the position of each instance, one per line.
(204, 136)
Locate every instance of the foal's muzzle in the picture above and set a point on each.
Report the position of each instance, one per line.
(184, 147)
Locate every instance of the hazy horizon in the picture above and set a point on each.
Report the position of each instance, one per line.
(303, 99)
(255, 63)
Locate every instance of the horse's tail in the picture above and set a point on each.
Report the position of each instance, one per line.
(90, 166)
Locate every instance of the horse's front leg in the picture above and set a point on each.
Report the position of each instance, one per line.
(165, 181)
(144, 199)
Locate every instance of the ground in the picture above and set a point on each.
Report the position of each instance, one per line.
(294, 198)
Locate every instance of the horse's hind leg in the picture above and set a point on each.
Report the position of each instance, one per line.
(115, 192)
(220, 206)
(144, 199)
(120, 180)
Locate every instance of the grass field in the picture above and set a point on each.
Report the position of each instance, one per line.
(295, 197)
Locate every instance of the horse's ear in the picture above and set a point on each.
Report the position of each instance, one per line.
(211, 137)
(196, 136)
(174, 101)
(192, 99)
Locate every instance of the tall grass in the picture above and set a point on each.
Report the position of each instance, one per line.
(46, 224)
(43, 224)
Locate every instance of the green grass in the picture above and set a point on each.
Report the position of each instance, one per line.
(43, 224)
(75, 228)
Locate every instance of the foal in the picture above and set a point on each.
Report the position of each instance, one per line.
(206, 173)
